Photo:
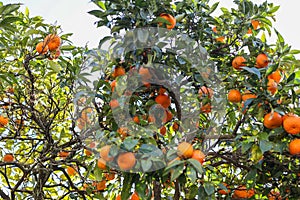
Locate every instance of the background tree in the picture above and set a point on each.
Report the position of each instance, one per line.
(60, 126)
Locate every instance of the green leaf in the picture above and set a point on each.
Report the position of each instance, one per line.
(192, 174)
(67, 47)
(274, 9)
(130, 143)
(279, 37)
(195, 163)
(177, 172)
(265, 145)
(209, 188)
(146, 164)
(251, 175)
(213, 8)
(294, 51)
(291, 77)
(192, 192)
(98, 173)
(253, 70)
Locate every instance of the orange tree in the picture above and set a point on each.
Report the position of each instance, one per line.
(182, 105)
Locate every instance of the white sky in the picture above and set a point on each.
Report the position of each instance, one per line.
(73, 17)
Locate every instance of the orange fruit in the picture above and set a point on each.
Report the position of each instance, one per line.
(248, 95)
(214, 29)
(234, 96)
(169, 18)
(101, 185)
(135, 196)
(206, 108)
(126, 161)
(199, 156)
(276, 76)
(272, 86)
(292, 125)
(284, 117)
(145, 73)
(53, 41)
(123, 131)
(114, 103)
(169, 116)
(238, 62)
(273, 195)
(87, 152)
(63, 154)
(3, 121)
(262, 61)
(272, 120)
(136, 119)
(161, 90)
(113, 85)
(41, 48)
(118, 197)
(110, 176)
(185, 150)
(255, 24)
(249, 31)
(175, 126)
(118, 71)
(104, 153)
(294, 147)
(224, 192)
(164, 100)
(163, 130)
(8, 158)
(71, 171)
(101, 163)
(55, 55)
(220, 39)
(205, 91)
(242, 192)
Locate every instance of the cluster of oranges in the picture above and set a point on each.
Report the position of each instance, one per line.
(241, 192)
(50, 44)
(3, 121)
(186, 150)
(134, 196)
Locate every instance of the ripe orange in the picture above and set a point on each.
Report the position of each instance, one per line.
(101, 163)
(175, 126)
(118, 71)
(248, 95)
(71, 171)
(169, 18)
(161, 90)
(163, 130)
(262, 61)
(53, 41)
(224, 192)
(242, 192)
(123, 131)
(114, 103)
(272, 86)
(41, 48)
(276, 76)
(110, 176)
(135, 196)
(113, 85)
(220, 39)
(136, 119)
(164, 100)
(101, 185)
(3, 121)
(273, 195)
(284, 117)
(126, 161)
(169, 116)
(249, 31)
(292, 125)
(54, 55)
(205, 91)
(87, 152)
(214, 29)
(8, 158)
(206, 108)
(238, 62)
(272, 120)
(255, 24)
(145, 73)
(199, 156)
(104, 153)
(294, 147)
(185, 150)
(63, 154)
(118, 197)
(234, 96)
